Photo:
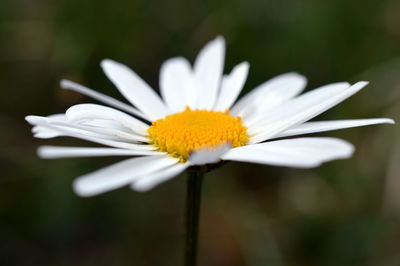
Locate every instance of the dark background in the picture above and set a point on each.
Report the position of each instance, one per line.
(343, 213)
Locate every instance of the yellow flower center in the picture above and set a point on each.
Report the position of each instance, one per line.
(181, 133)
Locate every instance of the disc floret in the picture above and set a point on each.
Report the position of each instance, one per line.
(181, 133)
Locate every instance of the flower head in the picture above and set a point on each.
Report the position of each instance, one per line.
(197, 121)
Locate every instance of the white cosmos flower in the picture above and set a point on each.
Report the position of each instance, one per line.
(191, 124)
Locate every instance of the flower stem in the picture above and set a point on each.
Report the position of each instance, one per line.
(193, 199)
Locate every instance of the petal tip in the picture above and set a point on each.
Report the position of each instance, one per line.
(41, 152)
(361, 84)
(64, 83)
(107, 63)
(28, 118)
(67, 84)
(219, 39)
(79, 189)
(295, 76)
(390, 121)
(245, 65)
(141, 187)
(347, 149)
(218, 43)
(34, 119)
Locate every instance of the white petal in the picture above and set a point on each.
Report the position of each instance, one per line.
(45, 133)
(177, 84)
(299, 153)
(150, 181)
(322, 126)
(115, 134)
(231, 86)
(103, 132)
(269, 94)
(208, 70)
(104, 141)
(35, 120)
(310, 98)
(120, 174)
(303, 109)
(50, 128)
(70, 85)
(208, 155)
(107, 124)
(135, 90)
(60, 117)
(87, 112)
(54, 117)
(70, 131)
(97, 123)
(41, 129)
(55, 152)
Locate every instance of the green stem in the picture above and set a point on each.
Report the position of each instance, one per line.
(193, 199)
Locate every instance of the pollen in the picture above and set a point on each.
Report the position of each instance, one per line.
(181, 133)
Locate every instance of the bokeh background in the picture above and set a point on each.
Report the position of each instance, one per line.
(343, 213)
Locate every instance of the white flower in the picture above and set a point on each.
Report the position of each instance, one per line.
(191, 123)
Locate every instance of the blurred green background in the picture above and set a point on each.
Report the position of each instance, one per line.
(343, 213)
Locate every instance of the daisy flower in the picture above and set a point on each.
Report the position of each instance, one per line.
(196, 121)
